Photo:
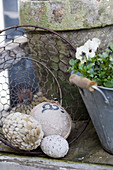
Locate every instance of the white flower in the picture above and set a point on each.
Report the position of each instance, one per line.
(87, 50)
(80, 54)
(90, 47)
(97, 41)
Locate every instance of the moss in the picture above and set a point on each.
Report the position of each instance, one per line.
(31, 15)
(24, 13)
(44, 19)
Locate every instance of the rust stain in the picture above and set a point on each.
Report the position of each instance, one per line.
(41, 9)
(59, 12)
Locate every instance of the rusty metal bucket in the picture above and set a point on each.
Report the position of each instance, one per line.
(100, 109)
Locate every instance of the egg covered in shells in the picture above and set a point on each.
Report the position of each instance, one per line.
(53, 118)
(55, 146)
(22, 131)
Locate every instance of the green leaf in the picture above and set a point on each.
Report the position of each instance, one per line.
(112, 81)
(108, 84)
(108, 50)
(104, 55)
(72, 62)
(90, 65)
(111, 46)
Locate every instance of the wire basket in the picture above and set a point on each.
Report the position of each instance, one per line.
(33, 68)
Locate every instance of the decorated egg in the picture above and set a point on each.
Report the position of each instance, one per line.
(55, 146)
(22, 131)
(53, 118)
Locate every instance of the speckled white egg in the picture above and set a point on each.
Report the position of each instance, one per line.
(53, 118)
(22, 131)
(54, 146)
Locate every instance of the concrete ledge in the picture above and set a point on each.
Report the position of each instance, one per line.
(28, 163)
(66, 15)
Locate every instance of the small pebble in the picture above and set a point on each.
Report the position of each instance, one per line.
(54, 146)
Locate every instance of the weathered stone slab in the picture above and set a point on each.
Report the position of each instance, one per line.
(26, 163)
(66, 15)
(88, 149)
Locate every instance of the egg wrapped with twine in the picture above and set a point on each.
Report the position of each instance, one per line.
(22, 131)
(53, 118)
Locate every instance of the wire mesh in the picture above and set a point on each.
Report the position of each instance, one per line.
(33, 69)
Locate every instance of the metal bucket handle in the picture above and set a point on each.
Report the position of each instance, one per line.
(87, 84)
(101, 92)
